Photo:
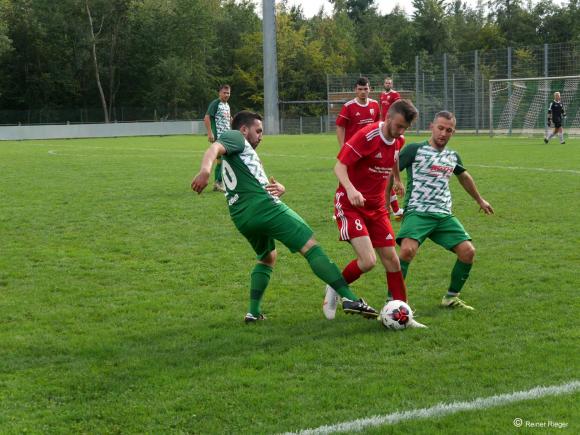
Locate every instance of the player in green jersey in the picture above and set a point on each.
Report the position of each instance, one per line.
(429, 168)
(259, 214)
(218, 120)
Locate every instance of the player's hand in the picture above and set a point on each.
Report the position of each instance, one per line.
(549, 122)
(274, 188)
(210, 138)
(399, 188)
(356, 198)
(200, 182)
(485, 206)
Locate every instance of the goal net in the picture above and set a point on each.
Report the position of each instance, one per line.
(520, 106)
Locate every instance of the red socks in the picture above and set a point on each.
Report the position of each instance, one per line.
(396, 285)
(351, 272)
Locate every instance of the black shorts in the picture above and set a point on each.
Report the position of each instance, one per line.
(557, 122)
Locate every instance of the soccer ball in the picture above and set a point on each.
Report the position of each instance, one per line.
(396, 315)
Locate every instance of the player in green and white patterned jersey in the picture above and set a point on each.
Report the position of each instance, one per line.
(428, 213)
(218, 120)
(259, 214)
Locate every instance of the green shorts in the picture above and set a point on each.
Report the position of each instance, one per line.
(287, 227)
(445, 230)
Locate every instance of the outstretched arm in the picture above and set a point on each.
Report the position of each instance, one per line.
(469, 185)
(201, 180)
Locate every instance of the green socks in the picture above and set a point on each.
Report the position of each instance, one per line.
(404, 267)
(459, 275)
(327, 271)
(259, 279)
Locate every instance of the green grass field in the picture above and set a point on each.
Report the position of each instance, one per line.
(122, 295)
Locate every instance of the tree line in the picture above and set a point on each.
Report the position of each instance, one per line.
(172, 54)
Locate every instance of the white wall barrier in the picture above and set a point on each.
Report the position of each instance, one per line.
(70, 131)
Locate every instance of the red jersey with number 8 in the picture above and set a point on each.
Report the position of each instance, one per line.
(370, 158)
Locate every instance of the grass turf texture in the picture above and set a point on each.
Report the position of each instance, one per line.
(122, 296)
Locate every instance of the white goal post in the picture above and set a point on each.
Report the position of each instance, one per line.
(520, 106)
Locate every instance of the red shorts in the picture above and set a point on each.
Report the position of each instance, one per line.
(356, 222)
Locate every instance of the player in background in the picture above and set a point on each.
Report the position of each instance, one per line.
(259, 215)
(365, 165)
(218, 120)
(356, 113)
(429, 166)
(388, 97)
(556, 113)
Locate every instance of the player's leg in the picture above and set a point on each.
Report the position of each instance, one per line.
(290, 229)
(561, 134)
(352, 228)
(451, 235)
(328, 271)
(260, 276)
(407, 252)
(396, 288)
(382, 238)
(397, 211)
(413, 232)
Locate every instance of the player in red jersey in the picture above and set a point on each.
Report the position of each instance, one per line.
(388, 97)
(365, 165)
(356, 113)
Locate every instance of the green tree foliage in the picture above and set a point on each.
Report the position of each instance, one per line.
(168, 56)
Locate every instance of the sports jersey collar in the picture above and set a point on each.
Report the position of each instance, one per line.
(383, 137)
(362, 105)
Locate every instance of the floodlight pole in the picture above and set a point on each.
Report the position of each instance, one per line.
(271, 114)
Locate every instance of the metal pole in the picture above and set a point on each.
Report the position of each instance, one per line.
(547, 89)
(417, 88)
(423, 99)
(509, 76)
(490, 113)
(327, 102)
(271, 115)
(453, 93)
(482, 101)
(475, 82)
(445, 105)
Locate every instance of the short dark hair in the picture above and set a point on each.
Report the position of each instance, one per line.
(245, 117)
(445, 114)
(362, 81)
(224, 86)
(405, 108)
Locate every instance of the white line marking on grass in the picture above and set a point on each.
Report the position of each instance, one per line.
(443, 409)
(520, 168)
(299, 156)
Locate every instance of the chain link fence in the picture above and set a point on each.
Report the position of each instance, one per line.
(457, 82)
(461, 83)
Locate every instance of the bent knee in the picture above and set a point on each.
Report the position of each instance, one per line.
(466, 254)
(367, 263)
(408, 251)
